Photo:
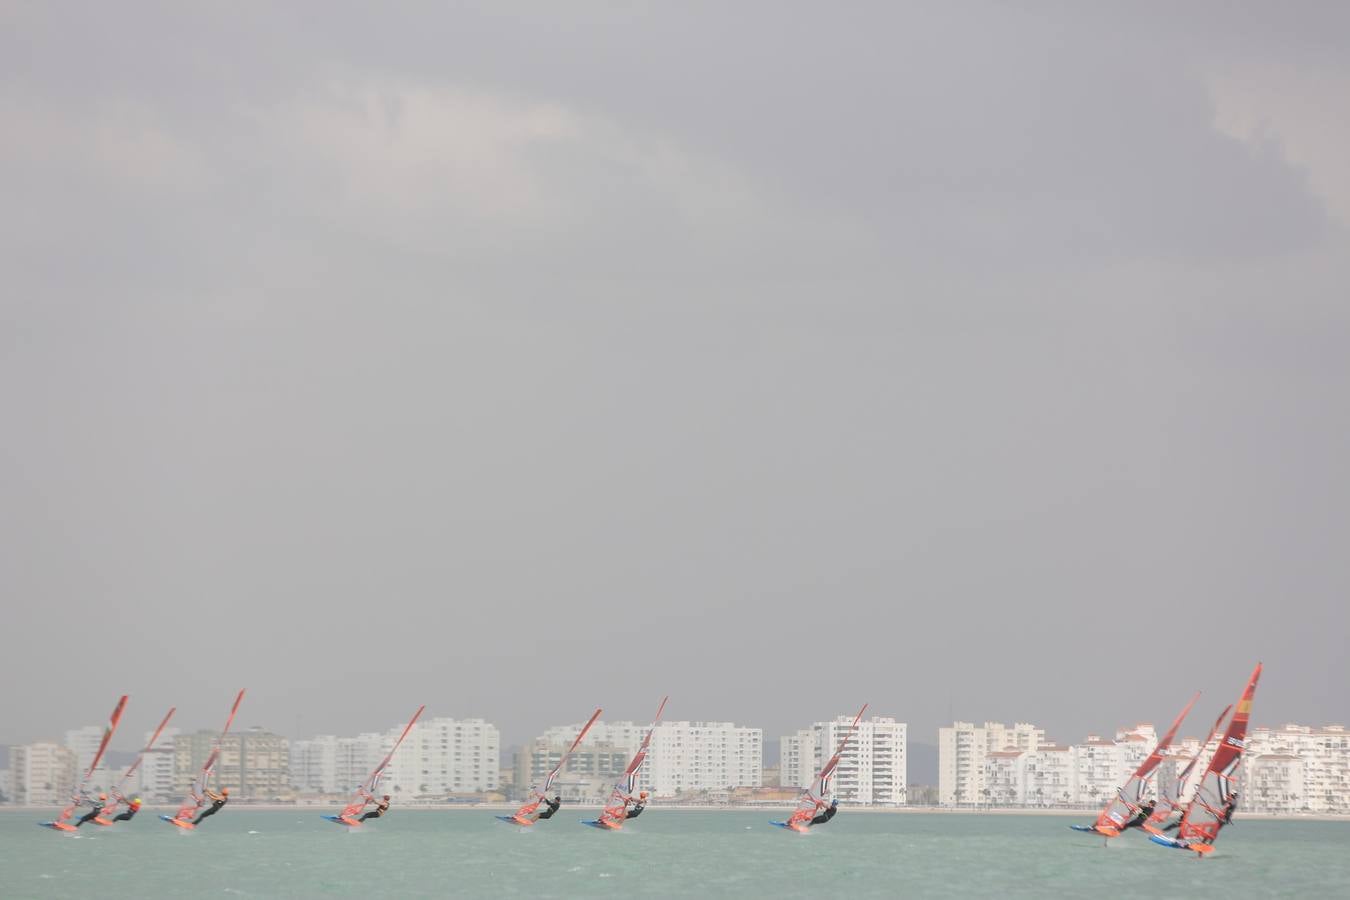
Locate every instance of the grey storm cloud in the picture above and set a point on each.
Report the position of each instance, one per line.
(517, 358)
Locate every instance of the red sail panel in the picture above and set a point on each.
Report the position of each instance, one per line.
(108, 731)
(1206, 815)
(367, 789)
(1167, 804)
(1130, 797)
(812, 799)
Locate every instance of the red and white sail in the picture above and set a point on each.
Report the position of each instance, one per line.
(1130, 797)
(1171, 801)
(194, 798)
(616, 810)
(540, 791)
(366, 791)
(1206, 815)
(116, 795)
(812, 800)
(109, 730)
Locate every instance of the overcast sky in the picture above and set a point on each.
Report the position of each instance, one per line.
(521, 358)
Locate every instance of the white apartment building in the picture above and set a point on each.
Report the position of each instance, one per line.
(704, 756)
(962, 750)
(872, 771)
(443, 757)
(43, 773)
(154, 780)
(1297, 768)
(7, 785)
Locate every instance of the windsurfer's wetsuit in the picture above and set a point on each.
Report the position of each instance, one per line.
(126, 816)
(380, 809)
(827, 815)
(218, 801)
(1140, 817)
(92, 814)
(1228, 809)
(636, 810)
(552, 805)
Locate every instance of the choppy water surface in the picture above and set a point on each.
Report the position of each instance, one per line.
(667, 853)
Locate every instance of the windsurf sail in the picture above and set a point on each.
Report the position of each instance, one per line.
(366, 791)
(116, 795)
(199, 784)
(813, 799)
(1171, 801)
(616, 810)
(540, 791)
(1212, 805)
(81, 792)
(1128, 800)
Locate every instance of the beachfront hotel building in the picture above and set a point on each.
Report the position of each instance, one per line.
(872, 770)
(42, 774)
(328, 764)
(963, 748)
(440, 758)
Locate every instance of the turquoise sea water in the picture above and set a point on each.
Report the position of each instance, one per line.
(668, 853)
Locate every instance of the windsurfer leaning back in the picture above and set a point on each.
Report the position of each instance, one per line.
(828, 814)
(381, 807)
(218, 802)
(553, 806)
(1145, 810)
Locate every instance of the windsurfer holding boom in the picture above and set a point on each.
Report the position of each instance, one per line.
(381, 807)
(553, 806)
(828, 814)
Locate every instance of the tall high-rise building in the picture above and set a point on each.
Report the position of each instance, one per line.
(43, 773)
(873, 769)
(443, 757)
(704, 756)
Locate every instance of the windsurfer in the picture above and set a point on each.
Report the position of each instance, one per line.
(1142, 815)
(95, 812)
(638, 806)
(1228, 806)
(381, 807)
(828, 814)
(132, 808)
(218, 802)
(553, 806)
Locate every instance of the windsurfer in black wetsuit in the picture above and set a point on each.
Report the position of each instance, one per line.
(827, 814)
(218, 802)
(132, 808)
(1141, 817)
(552, 805)
(381, 807)
(95, 812)
(638, 807)
(1228, 806)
